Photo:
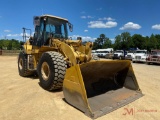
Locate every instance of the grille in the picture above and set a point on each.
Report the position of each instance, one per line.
(138, 57)
(115, 55)
(154, 59)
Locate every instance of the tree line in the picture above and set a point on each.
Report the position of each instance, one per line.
(122, 41)
(128, 42)
(10, 44)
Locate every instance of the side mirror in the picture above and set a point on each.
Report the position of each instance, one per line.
(70, 26)
(36, 21)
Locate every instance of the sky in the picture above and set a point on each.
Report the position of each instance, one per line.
(90, 18)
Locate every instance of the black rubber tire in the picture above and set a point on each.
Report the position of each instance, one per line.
(22, 66)
(148, 63)
(55, 72)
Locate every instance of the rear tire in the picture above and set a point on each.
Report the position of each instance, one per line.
(22, 66)
(51, 70)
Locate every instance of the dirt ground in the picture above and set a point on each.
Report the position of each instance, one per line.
(23, 98)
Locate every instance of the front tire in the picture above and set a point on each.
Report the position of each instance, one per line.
(51, 70)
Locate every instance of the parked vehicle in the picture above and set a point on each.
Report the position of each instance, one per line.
(130, 55)
(94, 52)
(109, 55)
(153, 57)
(94, 55)
(118, 54)
(103, 52)
(140, 56)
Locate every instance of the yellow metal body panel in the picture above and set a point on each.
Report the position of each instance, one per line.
(27, 47)
(73, 88)
(68, 51)
(72, 50)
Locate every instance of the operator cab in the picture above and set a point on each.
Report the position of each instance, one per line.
(47, 27)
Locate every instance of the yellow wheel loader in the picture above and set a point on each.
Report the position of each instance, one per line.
(95, 87)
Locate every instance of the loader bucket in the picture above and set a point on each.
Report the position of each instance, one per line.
(99, 87)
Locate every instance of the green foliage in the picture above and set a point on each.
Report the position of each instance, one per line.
(122, 41)
(10, 44)
(118, 43)
(126, 41)
(153, 42)
(102, 42)
(157, 36)
(138, 41)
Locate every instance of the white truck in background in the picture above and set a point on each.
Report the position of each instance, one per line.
(94, 52)
(130, 55)
(118, 54)
(103, 52)
(94, 55)
(140, 56)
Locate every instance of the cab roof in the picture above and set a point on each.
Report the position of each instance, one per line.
(51, 16)
(141, 50)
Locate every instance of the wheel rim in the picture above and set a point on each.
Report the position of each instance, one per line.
(20, 63)
(45, 71)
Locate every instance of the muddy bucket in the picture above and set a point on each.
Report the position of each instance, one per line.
(99, 87)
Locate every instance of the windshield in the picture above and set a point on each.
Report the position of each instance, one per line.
(56, 27)
(140, 51)
(119, 52)
(102, 51)
(156, 53)
(130, 52)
